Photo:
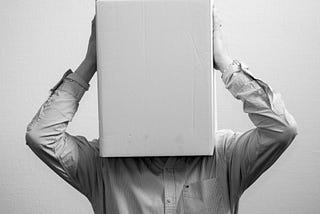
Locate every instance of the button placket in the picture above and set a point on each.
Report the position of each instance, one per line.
(169, 195)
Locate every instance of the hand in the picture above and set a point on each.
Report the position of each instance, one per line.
(221, 58)
(88, 67)
(91, 55)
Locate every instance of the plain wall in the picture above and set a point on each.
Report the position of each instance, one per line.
(40, 40)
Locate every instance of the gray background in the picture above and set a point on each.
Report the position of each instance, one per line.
(41, 39)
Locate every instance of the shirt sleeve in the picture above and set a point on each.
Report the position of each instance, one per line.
(72, 157)
(248, 154)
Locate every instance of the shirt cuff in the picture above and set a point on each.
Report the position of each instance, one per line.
(240, 80)
(71, 83)
(77, 78)
(238, 77)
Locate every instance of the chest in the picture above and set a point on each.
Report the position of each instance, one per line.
(138, 189)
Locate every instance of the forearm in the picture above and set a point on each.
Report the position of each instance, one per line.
(265, 107)
(51, 120)
(86, 70)
(222, 62)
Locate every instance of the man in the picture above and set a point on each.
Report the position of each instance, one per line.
(186, 184)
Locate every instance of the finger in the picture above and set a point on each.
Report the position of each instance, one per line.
(217, 18)
(93, 25)
(213, 10)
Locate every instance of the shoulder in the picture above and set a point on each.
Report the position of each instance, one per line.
(224, 137)
(225, 141)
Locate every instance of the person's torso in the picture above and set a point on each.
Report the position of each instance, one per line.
(148, 185)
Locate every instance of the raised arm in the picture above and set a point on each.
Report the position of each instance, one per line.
(248, 154)
(71, 157)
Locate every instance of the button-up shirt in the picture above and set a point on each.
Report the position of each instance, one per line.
(181, 184)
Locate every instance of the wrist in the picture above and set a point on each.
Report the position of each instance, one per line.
(89, 62)
(223, 62)
(86, 70)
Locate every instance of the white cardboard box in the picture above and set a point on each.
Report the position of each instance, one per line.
(156, 85)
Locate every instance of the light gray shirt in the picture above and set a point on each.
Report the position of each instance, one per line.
(183, 184)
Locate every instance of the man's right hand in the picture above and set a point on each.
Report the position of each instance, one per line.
(88, 67)
(91, 52)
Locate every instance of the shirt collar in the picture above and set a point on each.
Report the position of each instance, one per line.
(173, 162)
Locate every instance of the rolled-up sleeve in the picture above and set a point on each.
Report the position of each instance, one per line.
(248, 154)
(71, 157)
